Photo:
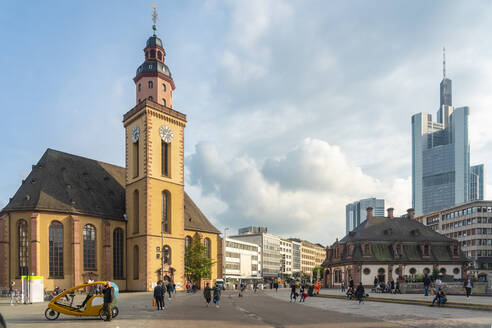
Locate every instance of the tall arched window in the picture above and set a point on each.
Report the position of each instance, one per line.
(151, 84)
(188, 241)
(23, 245)
(163, 87)
(165, 156)
(166, 211)
(136, 212)
(136, 157)
(135, 263)
(89, 235)
(207, 244)
(56, 249)
(118, 253)
(167, 254)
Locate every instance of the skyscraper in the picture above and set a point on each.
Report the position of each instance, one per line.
(440, 155)
(355, 213)
(477, 187)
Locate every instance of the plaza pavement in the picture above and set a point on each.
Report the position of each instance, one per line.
(264, 309)
(405, 315)
(486, 300)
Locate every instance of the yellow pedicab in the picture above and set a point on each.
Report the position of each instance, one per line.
(83, 300)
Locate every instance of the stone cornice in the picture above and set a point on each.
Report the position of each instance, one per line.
(155, 106)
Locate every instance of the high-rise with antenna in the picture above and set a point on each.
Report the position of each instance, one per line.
(446, 100)
(440, 154)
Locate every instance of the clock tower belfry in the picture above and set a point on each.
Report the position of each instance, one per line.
(153, 79)
(154, 140)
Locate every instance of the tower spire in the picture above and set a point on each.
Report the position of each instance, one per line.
(443, 63)
(155, 18)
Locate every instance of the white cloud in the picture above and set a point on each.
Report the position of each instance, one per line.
(301, 194)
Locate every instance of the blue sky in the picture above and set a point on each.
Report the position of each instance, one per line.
(295, 108)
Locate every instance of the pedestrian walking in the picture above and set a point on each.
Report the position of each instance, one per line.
(217, 291)
(12, 292)
(255, 286)
(359, 292)
(351, 282)
(108, 293)
(376, 282)
(207, 294)
(293, 294)
(468, 284)
(275, 285)
(427, 283)
(159, 296)
(397, 287)
(342, 286)
(169, 289)
(301, 293)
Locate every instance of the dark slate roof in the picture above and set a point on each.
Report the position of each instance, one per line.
(195, 219)
(154, 41)
(153, 67)
(63, 182)
(395, 229)
(67, 183)
(382, 233)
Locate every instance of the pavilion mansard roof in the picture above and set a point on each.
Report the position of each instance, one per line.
(375, 240)
(66, 183)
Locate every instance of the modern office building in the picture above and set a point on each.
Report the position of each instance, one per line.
(286, 260)
(471, 224)
(440, 156)
(355, 213)
(252, 229)
(242, 261)
(296, 255)
(477, 179)
(270, 252)
(312, 255)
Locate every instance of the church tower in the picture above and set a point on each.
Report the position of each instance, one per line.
(154, 139)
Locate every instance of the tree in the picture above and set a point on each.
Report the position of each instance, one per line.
(197, 263)
(315, 272)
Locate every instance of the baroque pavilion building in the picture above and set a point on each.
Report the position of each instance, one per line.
(75, 219)
(392, 248)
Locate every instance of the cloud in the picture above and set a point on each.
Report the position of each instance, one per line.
(302, 194)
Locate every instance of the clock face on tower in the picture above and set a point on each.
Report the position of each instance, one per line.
(135, 133)
(166, 133)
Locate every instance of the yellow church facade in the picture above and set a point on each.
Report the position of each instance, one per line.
(76, 219)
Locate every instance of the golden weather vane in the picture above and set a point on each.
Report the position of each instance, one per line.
(155, 18)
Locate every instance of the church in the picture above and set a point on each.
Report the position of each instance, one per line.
(75, 219)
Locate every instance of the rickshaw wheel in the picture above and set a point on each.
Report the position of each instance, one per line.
(102, 316)
(116, 311)
(51, 314)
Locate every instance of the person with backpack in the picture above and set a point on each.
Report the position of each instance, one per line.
(217, 291)
(207, 293)
(359, 292)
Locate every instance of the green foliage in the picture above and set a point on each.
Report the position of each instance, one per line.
(315, 272)
(197, 263)
(435, 273)
(419, 277)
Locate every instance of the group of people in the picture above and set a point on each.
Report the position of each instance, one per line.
(354, 292)
(294, 294)
(390, 287)
(160, 292)
(216, 292)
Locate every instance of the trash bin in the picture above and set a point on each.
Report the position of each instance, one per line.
(310, 290)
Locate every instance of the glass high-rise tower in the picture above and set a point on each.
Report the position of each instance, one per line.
(477, 186)
(440, 155)
(355, 213)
